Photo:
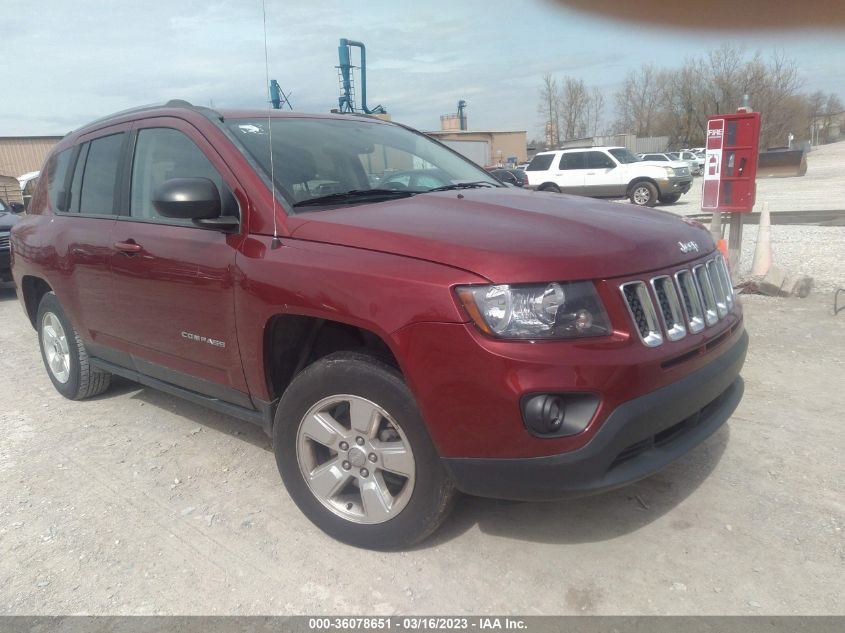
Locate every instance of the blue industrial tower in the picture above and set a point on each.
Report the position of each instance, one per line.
(346, 100)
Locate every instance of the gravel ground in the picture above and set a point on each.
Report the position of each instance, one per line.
(817, 251)
(137, 502)
(822, 187)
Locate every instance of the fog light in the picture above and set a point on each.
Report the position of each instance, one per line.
(544, 414)
(558, 414)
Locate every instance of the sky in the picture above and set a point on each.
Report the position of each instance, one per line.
(67, 63)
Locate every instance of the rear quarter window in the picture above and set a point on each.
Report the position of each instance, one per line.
(541, 162)
(56, 169)
(99, 177)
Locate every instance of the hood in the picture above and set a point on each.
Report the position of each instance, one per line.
(7, 219)
(663, 163)
(510, 235)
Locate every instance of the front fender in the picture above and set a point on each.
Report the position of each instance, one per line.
(375, 291)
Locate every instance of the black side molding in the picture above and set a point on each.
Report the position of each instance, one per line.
(262, 416)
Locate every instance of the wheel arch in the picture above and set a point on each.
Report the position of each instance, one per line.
(33, 290)
(640, 179)
(293, 341)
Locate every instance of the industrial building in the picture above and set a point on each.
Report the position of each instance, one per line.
(21, 155)
(485, 147)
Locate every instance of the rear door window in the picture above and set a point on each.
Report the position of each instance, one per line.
(99, 175)
(573, 160)
(599, 160)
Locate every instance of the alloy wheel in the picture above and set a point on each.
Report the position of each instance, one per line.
(355, 459)
(54, 343)
(642, 195)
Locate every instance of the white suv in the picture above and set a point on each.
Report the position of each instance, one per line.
(607, 172)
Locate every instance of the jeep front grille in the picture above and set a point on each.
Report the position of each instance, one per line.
(642, 312)
(692, 301)
(687, 301)
(708, 296)
(670, 307)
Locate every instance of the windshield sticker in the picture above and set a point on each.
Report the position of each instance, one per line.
(249, 128)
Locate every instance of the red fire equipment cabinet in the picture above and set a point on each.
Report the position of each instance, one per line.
(730, 167)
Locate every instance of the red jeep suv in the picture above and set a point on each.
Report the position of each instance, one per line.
(403, 325)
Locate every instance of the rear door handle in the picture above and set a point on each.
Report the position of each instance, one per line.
(129, 246)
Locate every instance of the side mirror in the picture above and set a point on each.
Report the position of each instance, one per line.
(17, 207)
(187, 199)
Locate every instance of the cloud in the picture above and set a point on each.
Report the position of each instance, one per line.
(70, 62)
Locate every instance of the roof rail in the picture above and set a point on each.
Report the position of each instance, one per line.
(172, 103)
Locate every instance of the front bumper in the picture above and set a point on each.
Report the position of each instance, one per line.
(640, 437)
(5, 266)
(675, 184)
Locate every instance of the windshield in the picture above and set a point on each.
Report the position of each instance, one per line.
(623, 155)
(371, 161)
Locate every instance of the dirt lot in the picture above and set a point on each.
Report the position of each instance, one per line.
(822, 187)
(137, 502)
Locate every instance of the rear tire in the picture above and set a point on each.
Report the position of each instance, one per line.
(355, 456)
(643, 194)
(670, 199)
(64, 355)
(549, 187)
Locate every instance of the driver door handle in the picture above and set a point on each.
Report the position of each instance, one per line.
(130, 247)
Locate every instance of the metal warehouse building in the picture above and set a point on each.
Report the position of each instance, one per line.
(486, 147)
(21, 155)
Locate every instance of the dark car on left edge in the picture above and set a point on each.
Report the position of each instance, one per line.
(8, 216)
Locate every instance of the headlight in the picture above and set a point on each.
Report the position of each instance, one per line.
(670, 171)
(548, 311)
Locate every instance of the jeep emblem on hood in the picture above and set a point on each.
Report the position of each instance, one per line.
(687, 247)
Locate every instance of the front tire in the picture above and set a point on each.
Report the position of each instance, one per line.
(549, 187)
(643, 194)
(355, 456)
(64, 355)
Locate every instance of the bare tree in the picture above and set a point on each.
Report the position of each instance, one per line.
(822, 111)
(639, 100)
(774, 88)
(724, 80)
(595, 111)
(548, 110)
(676, 102)
(573, 105)
(685, 105)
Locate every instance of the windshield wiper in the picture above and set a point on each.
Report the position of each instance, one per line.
(356, 195)
(463, 185)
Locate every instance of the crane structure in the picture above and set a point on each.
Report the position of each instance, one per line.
(278, 99)
(346, 78)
